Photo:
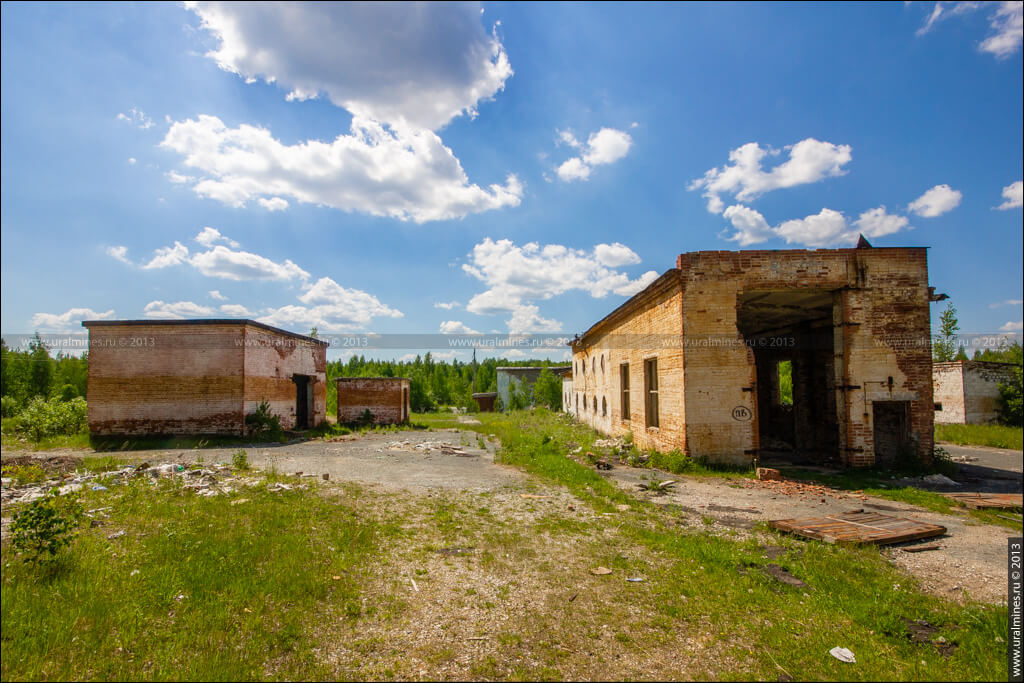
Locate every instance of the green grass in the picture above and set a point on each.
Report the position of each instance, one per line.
(197, 588)
(996, 436)
(712, 585)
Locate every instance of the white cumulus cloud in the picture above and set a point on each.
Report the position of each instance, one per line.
(236, 310)
(329, 306)
(215, 294)
(165, 257)
(209, 236)
(606, 146)
(273, 204)
(936, 201)
(177, 310)
(517, 276)
(1014, 196)
(229, 264)
(827, 228)
(410, 65)
(1012, 326)
(809, 161)
(447, 305)
(68, 320)
(120, 253)
(456, 327)
(404, 174)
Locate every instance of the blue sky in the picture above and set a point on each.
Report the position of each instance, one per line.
(496, 167)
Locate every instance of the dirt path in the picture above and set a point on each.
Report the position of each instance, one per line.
(971, 561)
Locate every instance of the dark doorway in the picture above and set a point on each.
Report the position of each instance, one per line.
(303, 396)
(405, 404)
(892, 431)
(793, 343)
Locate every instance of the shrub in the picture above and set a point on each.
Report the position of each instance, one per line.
(46, 525)
(67, 392)
(239, 460)
(9, 406)
(42, 418)
(262, 422)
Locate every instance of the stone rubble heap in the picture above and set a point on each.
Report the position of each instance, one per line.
(442, 447)
(203, 482)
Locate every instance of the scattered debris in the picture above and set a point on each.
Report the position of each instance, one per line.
(603, 464)
(426, 447)
(921, 548)
(532, 496)
(803, 489)
(656, 486)
(635, 579)
(467, 420)
(768, 474)
(783, 576)
(601, 571)
(859, 526)
(843, 655)
(985, 501)
(454, 550)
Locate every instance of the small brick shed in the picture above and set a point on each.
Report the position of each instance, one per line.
(149, 377)
(387, 399)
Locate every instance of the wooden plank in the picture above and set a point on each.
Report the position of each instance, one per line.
(859, 527)
(985, 501)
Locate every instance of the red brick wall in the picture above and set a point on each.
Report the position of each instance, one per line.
(152, 379)
(382, 396)
(270, 362)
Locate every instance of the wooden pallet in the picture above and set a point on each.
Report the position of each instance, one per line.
(986, 501)
(859, 527)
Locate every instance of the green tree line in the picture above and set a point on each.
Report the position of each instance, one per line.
(433, 383)
(25, 375)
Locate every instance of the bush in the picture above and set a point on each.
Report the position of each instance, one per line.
(9, 406)
(46, 525)
(43, 418)
(674, 461)
(67, 392)
(239, 460)
(262, 422)
(1011, 400)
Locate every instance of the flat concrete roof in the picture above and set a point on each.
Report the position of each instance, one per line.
(200, 321)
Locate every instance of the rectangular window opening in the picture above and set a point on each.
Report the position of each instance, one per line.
(651, 391)
(785, 372)
(624, 391)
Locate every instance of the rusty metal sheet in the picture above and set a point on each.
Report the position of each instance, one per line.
(985, 501)
(859, 527)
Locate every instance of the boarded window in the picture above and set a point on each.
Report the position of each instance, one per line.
(624, 391)
(651, 391)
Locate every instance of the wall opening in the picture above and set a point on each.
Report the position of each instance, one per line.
(303, 400)
(624, 391)
(405, 404)
(651, 392)
(793, 342)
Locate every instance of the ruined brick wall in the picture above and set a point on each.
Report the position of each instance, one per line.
(387, 398)
(165, 379)
(567, 395)
(648, 328)
(271, 362)
(948, 390)
(969, 390)
(881, 344)
(981, 390)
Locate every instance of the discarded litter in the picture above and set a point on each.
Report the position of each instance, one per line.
(635, 579)
(601, 571)
(843, 655)
(99, 487)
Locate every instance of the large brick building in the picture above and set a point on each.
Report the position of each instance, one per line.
(200, 376)
(693, 361)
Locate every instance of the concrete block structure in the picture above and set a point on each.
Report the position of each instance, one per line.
(523, 376)
(149, 377)
(967, 391)
(693, 361)
(387, 399)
